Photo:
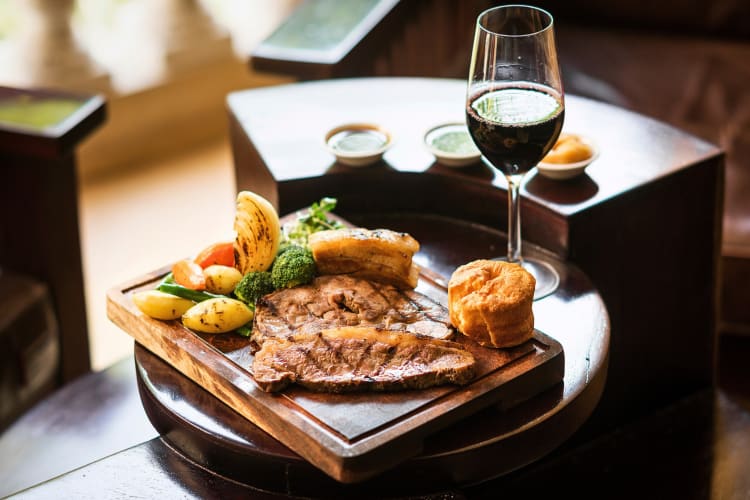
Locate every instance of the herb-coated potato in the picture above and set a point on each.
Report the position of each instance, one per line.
(217, 315)
(221, 279)
(160, 305)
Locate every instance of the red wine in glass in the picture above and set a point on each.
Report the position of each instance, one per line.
(515, 127)
(515, 109)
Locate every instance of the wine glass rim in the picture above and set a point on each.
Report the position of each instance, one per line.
(502, 7)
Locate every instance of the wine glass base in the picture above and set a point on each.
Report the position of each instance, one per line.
(547, 279)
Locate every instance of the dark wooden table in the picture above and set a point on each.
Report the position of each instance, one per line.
(696, 449)
(490, 440)
(664, 418)
(644, 223)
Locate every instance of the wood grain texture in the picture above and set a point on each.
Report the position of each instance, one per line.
(349, 436)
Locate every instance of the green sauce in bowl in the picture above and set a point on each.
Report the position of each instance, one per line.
(454, 141)
(452, 145)
(358, 144)
(352, 141)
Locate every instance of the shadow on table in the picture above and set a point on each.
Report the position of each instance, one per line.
(563, 192)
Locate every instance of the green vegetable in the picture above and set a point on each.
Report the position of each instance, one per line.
(253, 286)
(168, 278)
(186, 293)
(314, 220)
(168, 285)
(295, 266)
(245, 330)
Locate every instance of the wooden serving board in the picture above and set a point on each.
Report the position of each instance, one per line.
(350, 437)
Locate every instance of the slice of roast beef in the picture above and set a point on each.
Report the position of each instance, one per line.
(351, 359)
(340, 300)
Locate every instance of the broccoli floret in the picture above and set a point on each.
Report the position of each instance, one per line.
(253, 286)
(295, 266)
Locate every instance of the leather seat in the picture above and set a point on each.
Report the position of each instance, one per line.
(686, 64)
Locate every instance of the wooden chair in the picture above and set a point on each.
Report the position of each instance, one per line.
(372, 38)
(40, 254)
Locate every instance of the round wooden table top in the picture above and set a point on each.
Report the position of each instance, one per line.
(484, 445)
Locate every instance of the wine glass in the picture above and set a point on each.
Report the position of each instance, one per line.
(515, 108)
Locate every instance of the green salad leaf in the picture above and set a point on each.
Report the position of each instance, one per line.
(314, 219)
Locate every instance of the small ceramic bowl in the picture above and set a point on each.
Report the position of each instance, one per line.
(562, 170)
(452, 145)
(358, 144)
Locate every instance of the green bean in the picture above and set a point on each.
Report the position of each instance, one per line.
(187, 293)
(245, 330)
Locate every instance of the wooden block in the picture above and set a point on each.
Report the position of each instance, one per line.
(348, 436)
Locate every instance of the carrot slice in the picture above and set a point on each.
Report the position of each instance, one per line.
(219, 253)
(189, 274)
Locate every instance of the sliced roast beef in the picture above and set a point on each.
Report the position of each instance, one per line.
(340, 300)
(350, 359)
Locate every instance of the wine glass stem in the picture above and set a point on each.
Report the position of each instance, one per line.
(514, 217)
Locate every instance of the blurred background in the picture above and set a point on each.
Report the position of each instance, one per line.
(156, 180)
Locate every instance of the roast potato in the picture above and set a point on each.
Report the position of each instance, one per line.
(221, 279)
(217, 315)
(160, 305)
